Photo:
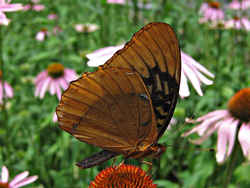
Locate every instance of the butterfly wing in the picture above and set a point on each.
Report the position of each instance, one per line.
(110, 108)
(154, 53)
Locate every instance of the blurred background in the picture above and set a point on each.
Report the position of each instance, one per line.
(61, 31)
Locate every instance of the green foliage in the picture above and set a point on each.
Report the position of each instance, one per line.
(31, 141)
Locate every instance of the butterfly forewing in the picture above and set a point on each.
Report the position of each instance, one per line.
(110, 108)
(154, 53)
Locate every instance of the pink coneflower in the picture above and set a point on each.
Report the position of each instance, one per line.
(237, 5)
(52, 16)
(226, 122)
(34, 6)
(19, 181)
(211, 11)
(6, 7)
(86, 28)
(195, 72)
(53, 79)
(40, 36)
(116, 1)
(140, 5)
(191, 69)
(38, 7)
(238, 23)
(5, 89)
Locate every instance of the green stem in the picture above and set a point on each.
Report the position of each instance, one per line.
(231, 164)
(136, 12)
(3, 77)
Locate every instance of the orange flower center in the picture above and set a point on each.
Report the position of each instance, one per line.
(214, 4)
(44, 30)
(239, 105)
(1, 74)
(236, 18)
(4, 185)
(128, 176)
(55, 70)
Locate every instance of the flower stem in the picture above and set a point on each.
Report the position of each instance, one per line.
(231, 164)
(136, 12)
(3, 76)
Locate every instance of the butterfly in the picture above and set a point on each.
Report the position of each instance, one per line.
(132, 121)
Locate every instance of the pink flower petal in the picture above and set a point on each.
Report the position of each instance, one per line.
(44, 87)
(204, 79)
(41, 76)
(69, 75)
(219, 113)
(184, 90)
(40, 36)
(226, 137)
(204, 126)
(10, 7)
(244, 139)
(100, 56)
(208, 133)
(192, 76)
(26, 7)
(8, 90)
(3, 19)
(116, 1)
(26, 181)
(39, 87)
(38, 7)
(4, 175)
(194, 63)
(52, 87)
(1, 93)
(63, 83)
(19, 178)
(55, 118)
(58, 91)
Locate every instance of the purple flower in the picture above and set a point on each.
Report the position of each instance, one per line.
(6, 7)
(53, 79)
(211, 11)
(235, 4)
(19, 181)
(225, 123)
(6, 89)
(238, 23)
(191, 69)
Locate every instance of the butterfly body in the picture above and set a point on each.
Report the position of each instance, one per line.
(125, 106)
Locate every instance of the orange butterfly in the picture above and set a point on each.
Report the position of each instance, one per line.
(126, 105)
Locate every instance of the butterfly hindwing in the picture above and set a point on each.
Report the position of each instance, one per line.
(115, 113)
